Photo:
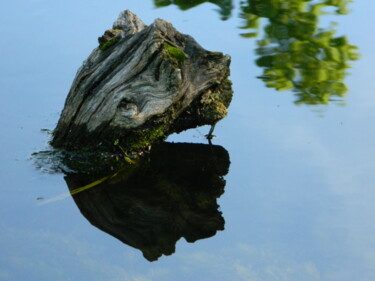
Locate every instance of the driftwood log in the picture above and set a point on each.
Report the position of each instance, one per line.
(141, 84)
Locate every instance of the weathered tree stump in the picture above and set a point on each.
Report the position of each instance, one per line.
(141, 84)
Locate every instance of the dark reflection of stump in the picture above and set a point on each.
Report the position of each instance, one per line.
(165, 196)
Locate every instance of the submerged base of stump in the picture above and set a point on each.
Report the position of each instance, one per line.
(141, 84)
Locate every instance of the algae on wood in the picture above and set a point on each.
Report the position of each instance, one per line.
(141, 84)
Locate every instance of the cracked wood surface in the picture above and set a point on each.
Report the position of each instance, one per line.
(135, 84)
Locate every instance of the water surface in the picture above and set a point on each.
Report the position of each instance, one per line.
(298, 197)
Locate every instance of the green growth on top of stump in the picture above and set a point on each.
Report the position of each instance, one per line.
(175, 53)
(108, 44)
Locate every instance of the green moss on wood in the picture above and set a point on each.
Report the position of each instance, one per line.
(213, 108)
(175, 53)
(108, 44)
(141, 140)
(147, 137)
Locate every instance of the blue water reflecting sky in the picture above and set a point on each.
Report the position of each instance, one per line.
(299, 196)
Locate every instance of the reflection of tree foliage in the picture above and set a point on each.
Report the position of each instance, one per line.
(225, 6)
(295, 53)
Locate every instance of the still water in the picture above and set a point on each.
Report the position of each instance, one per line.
(294, 184)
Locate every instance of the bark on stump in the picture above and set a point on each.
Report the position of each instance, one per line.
(141, 84)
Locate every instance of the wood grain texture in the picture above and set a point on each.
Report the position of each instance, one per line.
(141, 84)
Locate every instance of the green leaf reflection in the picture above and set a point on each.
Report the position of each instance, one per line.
(295, 53)
(225, 6)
